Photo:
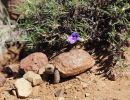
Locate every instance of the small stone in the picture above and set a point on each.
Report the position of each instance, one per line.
(59, 93)
(2, 80)
(34, 62)
(23, 88)
(32, 77)
(13, 92)
(87, 94)
(61, 98)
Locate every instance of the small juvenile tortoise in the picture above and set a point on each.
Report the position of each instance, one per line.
(69, 64)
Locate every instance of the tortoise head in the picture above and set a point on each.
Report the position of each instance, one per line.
(50, 69)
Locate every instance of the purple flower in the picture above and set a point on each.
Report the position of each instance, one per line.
(74, 37)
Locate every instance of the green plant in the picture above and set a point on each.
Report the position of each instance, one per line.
(27, 8)
(104, 24)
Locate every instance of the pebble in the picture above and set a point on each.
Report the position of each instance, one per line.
(23, 88)
(59, 93)
(61, 98)
(13, 92)
(87, 94)
(32, 77)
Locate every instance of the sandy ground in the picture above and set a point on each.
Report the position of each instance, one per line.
(86, 86)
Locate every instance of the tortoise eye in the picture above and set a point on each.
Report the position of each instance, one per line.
(49, 68)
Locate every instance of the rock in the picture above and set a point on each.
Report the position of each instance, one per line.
(32, 77)
(13, 92)
(2, 80)
(61, 98)
(34, 62)
(87, 94)
(59, 93)
(23, 88)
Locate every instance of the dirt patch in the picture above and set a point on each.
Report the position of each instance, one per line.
(86, 86)
(95, 86)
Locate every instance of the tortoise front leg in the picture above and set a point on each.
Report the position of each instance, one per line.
(56, 76)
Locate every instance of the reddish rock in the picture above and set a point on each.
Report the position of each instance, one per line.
(74, 62)
(34, 62)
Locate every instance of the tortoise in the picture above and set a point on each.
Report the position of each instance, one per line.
(70, 63)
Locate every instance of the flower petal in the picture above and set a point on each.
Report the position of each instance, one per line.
(71, 40)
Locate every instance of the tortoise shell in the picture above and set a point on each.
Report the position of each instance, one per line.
(73, 62)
